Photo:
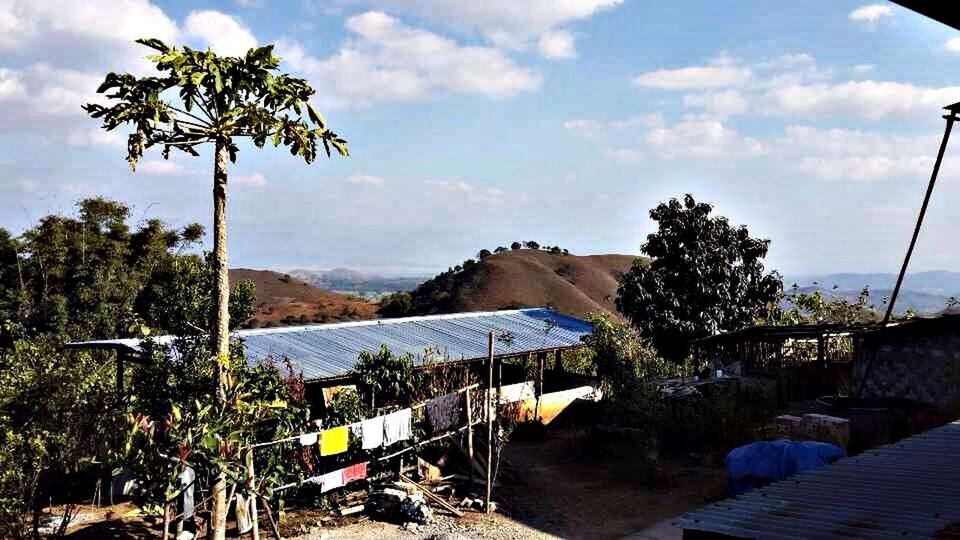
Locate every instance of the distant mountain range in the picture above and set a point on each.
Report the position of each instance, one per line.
(924, 292)
(347, 280)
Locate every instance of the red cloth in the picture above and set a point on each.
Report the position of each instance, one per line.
(355, 472)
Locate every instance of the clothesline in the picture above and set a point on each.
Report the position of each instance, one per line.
(297, 437)
(313, 479)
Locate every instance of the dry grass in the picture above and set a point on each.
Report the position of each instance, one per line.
(282, 299)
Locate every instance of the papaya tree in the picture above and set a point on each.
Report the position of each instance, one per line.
(199, 98)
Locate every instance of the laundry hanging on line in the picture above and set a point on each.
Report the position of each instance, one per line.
(331, 480)
(308, 439)
(396, 427)
(371, 433)
(355, 472)
(444, 412)
(334, 440)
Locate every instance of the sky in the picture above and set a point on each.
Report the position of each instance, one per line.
(474, 124)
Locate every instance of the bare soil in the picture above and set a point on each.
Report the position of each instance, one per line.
(562, 487)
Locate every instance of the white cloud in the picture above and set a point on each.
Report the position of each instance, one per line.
(390, 61)
(223, 33)
(723, 103)
(694, 77)
(952, 45)
(464, 190)
(693, 137)
(93, 136)
(870, 13)
(794, 85)
(868, 98)
(506, 23)
(845, 154)
(591, 127)
(700, 137)
(24, 23)
(557, 44)
(160, 167)
(253, 179)
(366, 180)
(45, 96)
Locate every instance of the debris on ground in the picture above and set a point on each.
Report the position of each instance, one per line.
(398, 506)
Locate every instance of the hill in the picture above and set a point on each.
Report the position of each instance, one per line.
(284, 300)
(522, 278)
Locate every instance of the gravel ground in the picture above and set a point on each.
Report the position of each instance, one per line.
(473, 525)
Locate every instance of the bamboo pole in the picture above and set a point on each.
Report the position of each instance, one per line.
(273, 523)
(470, 437)
(541, 360)
(251, 484)
(489, 418)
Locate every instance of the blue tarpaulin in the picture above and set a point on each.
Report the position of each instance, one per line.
(759, 463)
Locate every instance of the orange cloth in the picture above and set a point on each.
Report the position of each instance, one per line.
(334, 440)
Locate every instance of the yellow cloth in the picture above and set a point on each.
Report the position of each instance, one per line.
(334, 440)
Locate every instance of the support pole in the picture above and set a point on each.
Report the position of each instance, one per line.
(120, 366)
(950, 118)
(489, 413)
(558, 361)
(251, 492)
(470, 437)
(541, 360)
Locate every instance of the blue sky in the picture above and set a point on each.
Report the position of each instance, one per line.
(473, 124)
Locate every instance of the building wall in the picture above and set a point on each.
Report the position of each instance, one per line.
(924, 368)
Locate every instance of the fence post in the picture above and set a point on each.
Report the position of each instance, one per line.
(470, 436)
(489, 418)
(251, 486)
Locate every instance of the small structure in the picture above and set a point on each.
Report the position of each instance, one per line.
(903, 490)
(807, 360)
(326, 353)
(916, 360)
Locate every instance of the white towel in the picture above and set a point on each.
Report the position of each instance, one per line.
(308, 439)
(372, 433)
(396, 427)
(331, 480)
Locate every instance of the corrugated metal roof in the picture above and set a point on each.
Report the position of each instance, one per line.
(909, 489)
(330, 350)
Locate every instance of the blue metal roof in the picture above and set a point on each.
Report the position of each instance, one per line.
(330, 350)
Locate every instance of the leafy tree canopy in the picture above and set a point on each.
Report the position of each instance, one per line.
(704, 276)
(218, 98)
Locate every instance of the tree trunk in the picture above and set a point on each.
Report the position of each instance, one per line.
(220, 336)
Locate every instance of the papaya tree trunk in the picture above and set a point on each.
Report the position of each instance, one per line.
(221, 319)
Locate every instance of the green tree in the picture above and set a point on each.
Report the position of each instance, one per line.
(10, 277)
(500, 249)
(384, 378)
(396, 305)
(483, 254)
(80, 275)
(532, 244)
(220, 99)
(516, 245)
(704, 276)
(815, 308)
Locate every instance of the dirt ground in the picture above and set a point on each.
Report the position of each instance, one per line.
(558, 488)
